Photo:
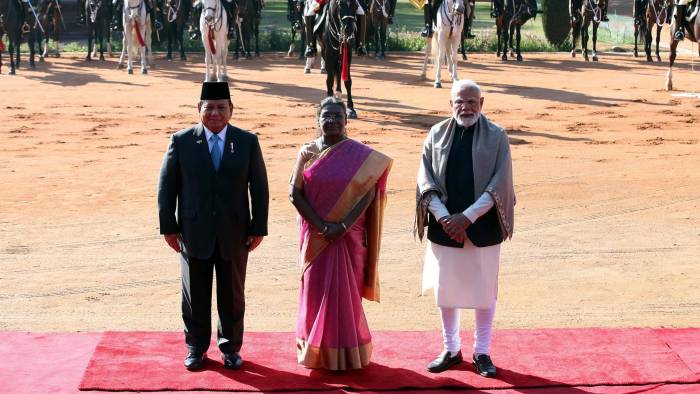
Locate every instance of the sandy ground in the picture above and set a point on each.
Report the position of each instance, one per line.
(606, 175)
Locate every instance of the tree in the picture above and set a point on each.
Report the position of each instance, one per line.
(555, 20)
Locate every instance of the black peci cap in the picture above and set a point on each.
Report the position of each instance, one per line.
(215, 91)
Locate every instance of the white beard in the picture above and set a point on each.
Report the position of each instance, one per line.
(467, 122)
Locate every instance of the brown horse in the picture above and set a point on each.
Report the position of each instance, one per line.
(657, 14)
(639, 9)
(583, 13)
(515, 14)
(51, 20)
(379, 13)
(692, 28)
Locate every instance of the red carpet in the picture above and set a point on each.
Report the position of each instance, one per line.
(535, 359)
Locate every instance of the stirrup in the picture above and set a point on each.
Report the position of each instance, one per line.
(310, 51)
(679, 35)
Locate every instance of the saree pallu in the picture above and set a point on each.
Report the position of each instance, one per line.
(332, 331)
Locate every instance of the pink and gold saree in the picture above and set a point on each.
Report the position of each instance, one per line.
(332, 331)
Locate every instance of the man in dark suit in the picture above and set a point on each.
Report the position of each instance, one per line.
(206, 175)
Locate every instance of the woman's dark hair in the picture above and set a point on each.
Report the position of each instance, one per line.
(328, 101)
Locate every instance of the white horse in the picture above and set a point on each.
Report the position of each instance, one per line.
(137, 26)
(446, 37)
(214, 27)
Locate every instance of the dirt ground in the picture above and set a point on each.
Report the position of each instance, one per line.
(606, 174)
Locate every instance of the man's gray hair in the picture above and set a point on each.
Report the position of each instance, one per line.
(464, 84)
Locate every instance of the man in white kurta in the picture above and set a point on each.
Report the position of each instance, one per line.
(461, 274)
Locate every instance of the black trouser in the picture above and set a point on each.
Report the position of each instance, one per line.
(197, 278)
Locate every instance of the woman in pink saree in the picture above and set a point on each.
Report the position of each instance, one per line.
(339, 189)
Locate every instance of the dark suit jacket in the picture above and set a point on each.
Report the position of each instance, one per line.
(213, 206)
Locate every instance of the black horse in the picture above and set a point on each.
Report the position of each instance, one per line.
(515, 14)
(249, 15)
(98, 14)
(336, 37)
(380, 11)
(175, 14)
(18, 20)
(639, 11)
(469, 9)
(295, 15)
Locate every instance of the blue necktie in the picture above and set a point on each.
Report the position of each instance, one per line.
(215, 151)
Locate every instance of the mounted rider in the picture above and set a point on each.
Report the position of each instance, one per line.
(314, 7)
(151, 8)
(575, 8)
(430, 8)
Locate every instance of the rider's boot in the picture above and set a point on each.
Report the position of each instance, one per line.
(363, 29)
(81, 13)
(153, 11)
(309, 22)
(427, 20)
(679, 34)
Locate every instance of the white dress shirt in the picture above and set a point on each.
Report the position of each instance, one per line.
(473, 212)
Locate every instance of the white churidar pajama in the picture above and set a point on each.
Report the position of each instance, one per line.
(464, 277)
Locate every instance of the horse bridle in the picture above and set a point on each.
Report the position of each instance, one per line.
(173, 11)
(94, 6)
(452, 17)
(336, 30)
(597, 11)
(657, 14)
(128, 7)
(218, 16)
(382, 5)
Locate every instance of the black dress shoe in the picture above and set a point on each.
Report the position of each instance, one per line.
(484, 366)
(194, 360)
(232, 360)
(445, 361)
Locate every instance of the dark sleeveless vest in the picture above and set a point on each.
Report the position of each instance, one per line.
(459, 181)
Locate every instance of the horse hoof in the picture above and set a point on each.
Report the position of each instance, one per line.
(437, 85)
(519, 58)
(102, 59)
(595, 58)
(129, 71)
(464, 57)
(307, 71)
(12, 72)
(120, 66)
(41, 59)
(636, 54)
(658, 58)
(32, 65)
(504, 58)
(144, 71)
(650, 60)
(323, 71)
(89, 59)
(573, 53)
(183, 58)
(352, 114)
(58, 55)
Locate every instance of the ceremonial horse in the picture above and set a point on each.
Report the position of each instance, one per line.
(175, 14)
(467, 30)
(51, 21)
(98, 14)
(137, 24)
(213, 26)
(447, 33)
(249, 17)
(639, 13)
(515, 14)
(336, 38)
(17, 21)
(658, 13)
(692, 28)
(379, 13)
(295, 15)
(587, 12)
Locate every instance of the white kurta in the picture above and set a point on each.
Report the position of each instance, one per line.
(464, 277)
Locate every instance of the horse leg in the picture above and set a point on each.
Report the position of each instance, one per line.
(181, 40)
(32, 49)
(453, 56)
(440, 57)
(584, 40)
(11, 50)
(329, 82)
(519, 57)
(223, 55)
(257, 38)
(658, 38)
(511, 36)
(647, 41)
(671, 59)
(88, 57)
(595, 40)
(636, 36)
(504, 39)
(382, 39)
(428, 49)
